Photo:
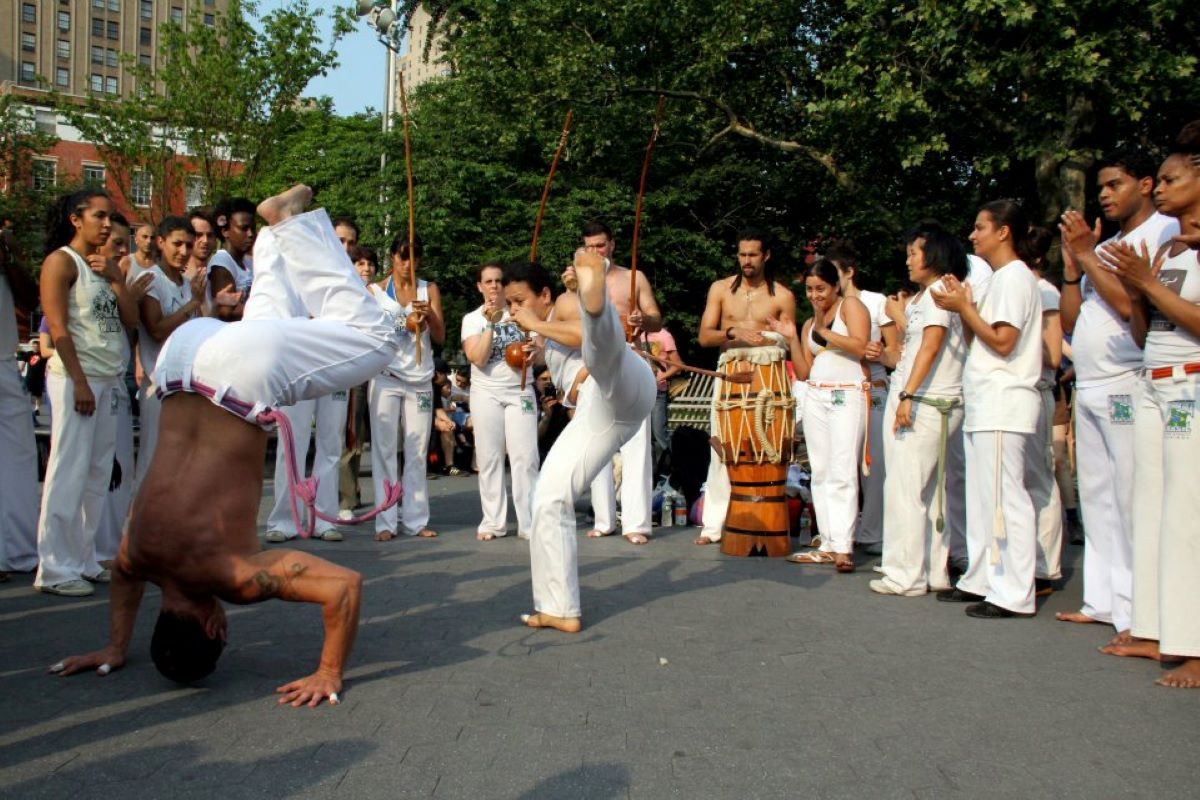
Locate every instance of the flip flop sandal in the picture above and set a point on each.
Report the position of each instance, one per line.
(812, 557)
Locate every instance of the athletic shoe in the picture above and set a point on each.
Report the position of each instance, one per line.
(68, 589)
(103, 576)
(276, 537)
(986, 610)
(958, 596)
(331, 535)
(882, 587)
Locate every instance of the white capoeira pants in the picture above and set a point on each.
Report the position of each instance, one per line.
(116, 502)
(996, 463)
(717, 487)
(870, 525)
(149, 412)
(505, 421)
(77, 476)
(1043, 490)
(915, 553)
(637, 479)
(1166, 506)
(330, 414)
(613, 403)
(1104, 434)
(310, 328)
(400, 407)
(833, 433)
(956, 497)
(18, 473)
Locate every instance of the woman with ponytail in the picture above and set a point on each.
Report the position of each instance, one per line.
(89, 309)
(1002, 405)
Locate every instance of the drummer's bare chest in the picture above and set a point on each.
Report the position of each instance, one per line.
(756, 305)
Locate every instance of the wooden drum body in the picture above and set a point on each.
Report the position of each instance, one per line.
(755, 424)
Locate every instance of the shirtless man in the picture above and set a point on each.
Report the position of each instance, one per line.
(637, 480)
(221, 382)
(740, 311)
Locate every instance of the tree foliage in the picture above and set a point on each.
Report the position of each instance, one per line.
(20, 141)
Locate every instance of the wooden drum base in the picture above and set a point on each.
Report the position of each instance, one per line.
(757, 521)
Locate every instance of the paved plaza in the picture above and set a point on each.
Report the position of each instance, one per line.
(696, 676)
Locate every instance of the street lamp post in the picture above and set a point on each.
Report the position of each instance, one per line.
(381, 17)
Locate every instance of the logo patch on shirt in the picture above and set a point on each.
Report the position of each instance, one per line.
(340, 396)
(1179, 418)
(839, 397)
(876, 401)
(526, 405)
(1120, 409)
(424, 401)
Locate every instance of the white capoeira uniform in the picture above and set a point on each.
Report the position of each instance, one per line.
(171, 297)
(979, 277)
(18, 466)
(915, 551)
(310, 329)
(1039, 464)
(613, 402)
(1166, 505)
(120, 492)
(870, 526)
(505, 421)
(329, 412)
(834, 409)
(402, 399)
(1002, 407)
(1107, 387)
(81, 448)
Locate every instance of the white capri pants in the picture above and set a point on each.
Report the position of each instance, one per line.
(1104, 433)
(717, 486)
(613, 403)
(637, 465)
(330, 414)
(1166, 506)
(77, 476)
(833, 432)
(18, 473)
(116, 502)
(401, 407)
(915, 553)
(505, 421)
(1043, 490)
(1001, 566)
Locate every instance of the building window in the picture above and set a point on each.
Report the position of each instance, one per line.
(98, 28)
(144, 59)
(113, 31)
(177, 15)
(45, 171)
(146, 9)
(210, 2)
(210, 20)
(97, 55)
(114, 5)
(97, 83)
(64, 20)
(27, 71)
(194, 191)
(28, 42)
(98, 4)
(93, 175)
(110, 84)
(110, 57)
(62, 48)
(45, 121)
(62, 77)
(144, 37)
(28, 12)
(139, 188)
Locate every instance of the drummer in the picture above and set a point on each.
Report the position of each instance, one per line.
(742, 311)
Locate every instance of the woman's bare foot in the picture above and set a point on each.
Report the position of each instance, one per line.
(564, 624)
(637, 538)
(1185, 676)
(385, 536)
(285, 204)
(703, 540)
(427, 533)
(589, 271)
(1123, 637)
(484, 536)
(1139, 648)
(1077, 617)
(596, 533)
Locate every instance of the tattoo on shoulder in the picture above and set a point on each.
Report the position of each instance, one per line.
(266, 584)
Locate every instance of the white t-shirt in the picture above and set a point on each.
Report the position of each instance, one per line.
(979, 275)
(1051, 301)
(944, 378)
(876, 304)
(170, 298)
(1167, 345)
(8, 321)
(1102, 347)
(243, 277)
(497, 374)
(1001, 391)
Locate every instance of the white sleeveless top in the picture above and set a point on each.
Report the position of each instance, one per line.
(876, 304)
(832, 365)
(94, 324)
(404, 366)
(564, 364)
(243, 277)
(1166, 343)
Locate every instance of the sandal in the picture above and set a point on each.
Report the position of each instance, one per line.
(455, 472)
(812, 557)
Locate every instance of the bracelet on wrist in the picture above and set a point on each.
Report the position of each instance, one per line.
(729, 333)
(1068, 282)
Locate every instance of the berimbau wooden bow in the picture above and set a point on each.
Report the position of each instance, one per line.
(637, 209)
(414, 322)
(562, 144)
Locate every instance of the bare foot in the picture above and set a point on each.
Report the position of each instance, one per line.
(427, 533)
(564, 624)
(1123, 637)
(589, 270)
(285, 204)
(385, 536)
(1185, 676)
(637, 538)
(1076, 616)
(1139, 648)
(485, 537)
(596, 533)
(703, 540)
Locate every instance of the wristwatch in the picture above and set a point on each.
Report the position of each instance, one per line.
(905, 396)
(1070, 282)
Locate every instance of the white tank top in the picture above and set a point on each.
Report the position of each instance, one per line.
(243, 277)
(1166, 343)
(404, 365)
(564, 364)
(830, 364)
(94, 324)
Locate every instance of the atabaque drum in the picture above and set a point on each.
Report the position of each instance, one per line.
(755, 423)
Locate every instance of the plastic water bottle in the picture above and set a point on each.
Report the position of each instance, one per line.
(804, 524)
(668, 509)
(681, 511)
